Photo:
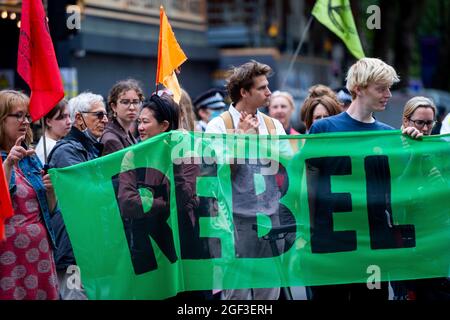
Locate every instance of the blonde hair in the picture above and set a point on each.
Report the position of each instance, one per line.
(285, 95)
(369, 70)
(187, 120)
(8, 100)
(415, 103)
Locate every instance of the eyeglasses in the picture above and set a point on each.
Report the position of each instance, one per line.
(99, 114)
(21, 117)
(128, 103)
(422, 123)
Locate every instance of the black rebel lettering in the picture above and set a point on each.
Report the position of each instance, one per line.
(383, 233)
(191, 207)
(247, 203)
(140, 225)
(323, 203)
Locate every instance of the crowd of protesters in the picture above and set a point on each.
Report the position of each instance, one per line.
(37, 252)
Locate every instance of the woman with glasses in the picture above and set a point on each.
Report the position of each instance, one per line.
(420, 113)
(57, 125)
(88, 115)
(27, 267)
(125, 100)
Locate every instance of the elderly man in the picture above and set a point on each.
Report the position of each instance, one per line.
(88, 115)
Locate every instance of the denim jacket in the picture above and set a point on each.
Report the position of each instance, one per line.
(31, 167)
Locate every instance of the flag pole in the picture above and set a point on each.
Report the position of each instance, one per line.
(44, 140)
(297, 51)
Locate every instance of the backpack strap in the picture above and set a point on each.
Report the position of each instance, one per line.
(270, 125)
(229, 125)
(228, 120)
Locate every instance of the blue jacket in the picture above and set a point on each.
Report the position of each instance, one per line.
(31, 167)
(74, 148)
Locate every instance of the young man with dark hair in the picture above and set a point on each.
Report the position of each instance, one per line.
(248, 88)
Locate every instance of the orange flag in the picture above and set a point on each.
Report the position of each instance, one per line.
(6, 209)
(170, 57)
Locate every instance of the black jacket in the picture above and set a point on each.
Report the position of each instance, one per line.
(74, 148)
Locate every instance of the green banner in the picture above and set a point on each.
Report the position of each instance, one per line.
(187, 211)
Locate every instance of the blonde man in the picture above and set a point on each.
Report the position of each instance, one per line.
(369, 81)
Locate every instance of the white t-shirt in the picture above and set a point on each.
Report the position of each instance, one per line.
(50, 143)
(217, 125)
(446, 125)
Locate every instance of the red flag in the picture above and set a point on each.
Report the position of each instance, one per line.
(6, 209)
(36, 60)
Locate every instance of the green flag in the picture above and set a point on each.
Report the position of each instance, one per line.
(159, 217)
(337, 16)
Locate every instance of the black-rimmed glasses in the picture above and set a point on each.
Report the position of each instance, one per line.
(422, 123)
(99, 114)
(128, 103)
(21, 117)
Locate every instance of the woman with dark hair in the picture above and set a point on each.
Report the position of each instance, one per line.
(142, 211)
(158, 115)
(314, 109)
(125, 100)
(57, 126)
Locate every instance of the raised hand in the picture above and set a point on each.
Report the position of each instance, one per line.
(17, 153)
(248, 123)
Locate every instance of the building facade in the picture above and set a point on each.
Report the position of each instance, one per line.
(99, 42)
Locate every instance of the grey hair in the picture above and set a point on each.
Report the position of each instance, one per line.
(83, 103)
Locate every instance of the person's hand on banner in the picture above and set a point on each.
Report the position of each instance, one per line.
(47, 182)
(51, 196)
(412, 132)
